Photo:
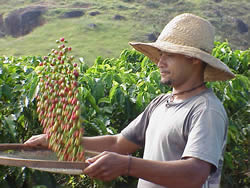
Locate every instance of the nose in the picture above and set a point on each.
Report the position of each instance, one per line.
(162, 62)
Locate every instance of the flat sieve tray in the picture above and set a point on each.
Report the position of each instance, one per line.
(39, 158)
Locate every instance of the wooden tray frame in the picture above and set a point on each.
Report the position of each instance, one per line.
(43, 165)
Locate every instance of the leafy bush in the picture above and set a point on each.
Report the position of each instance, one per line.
(235, 96)
(114, 92)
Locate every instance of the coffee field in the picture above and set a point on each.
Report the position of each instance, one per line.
(112, 92)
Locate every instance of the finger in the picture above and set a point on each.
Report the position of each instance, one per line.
(37, 140)
(32, 139)
(93, 159)
(94, 170)
(97, 172)
(96, 165)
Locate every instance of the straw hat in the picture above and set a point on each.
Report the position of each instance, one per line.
(189, 35)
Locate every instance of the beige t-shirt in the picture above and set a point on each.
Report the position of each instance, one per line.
(196, 127)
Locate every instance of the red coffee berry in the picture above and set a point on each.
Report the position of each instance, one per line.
(58, 106)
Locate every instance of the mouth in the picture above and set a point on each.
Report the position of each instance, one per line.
(164, 72)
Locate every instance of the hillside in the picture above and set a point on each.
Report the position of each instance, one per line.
(104, 27)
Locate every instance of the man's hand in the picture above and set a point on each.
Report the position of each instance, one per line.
(38, 140)
(107, 166)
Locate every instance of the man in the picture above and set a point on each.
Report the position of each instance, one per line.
(183, 133)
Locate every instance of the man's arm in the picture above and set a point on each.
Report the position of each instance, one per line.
(115, 143)
(190, 172)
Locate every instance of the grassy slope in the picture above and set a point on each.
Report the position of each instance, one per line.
(110, 36)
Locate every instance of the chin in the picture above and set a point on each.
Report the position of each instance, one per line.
(166, 82)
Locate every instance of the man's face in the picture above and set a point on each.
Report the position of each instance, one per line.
(174, 68)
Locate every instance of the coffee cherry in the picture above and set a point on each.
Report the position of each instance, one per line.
(58, 106)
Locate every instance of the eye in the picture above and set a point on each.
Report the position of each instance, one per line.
(160, 53)
(170, 55)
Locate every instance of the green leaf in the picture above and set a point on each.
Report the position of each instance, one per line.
(104, 100)
(6, 91)
(11, 125)
(92, 101)
(34, 88)
(101, 126)
(1, 92)
(139, 99)
(98, 90)
(108, 79)
(83, 67)
(113, 90)
(98, 60)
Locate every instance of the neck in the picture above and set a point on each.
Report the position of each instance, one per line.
(188, 90)
(183, 94)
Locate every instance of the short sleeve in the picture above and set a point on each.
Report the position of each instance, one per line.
(136, 130)
(207, 136)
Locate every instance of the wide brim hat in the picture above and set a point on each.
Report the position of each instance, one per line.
(189, 35)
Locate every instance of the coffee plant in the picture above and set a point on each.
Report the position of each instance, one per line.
(111, 93)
